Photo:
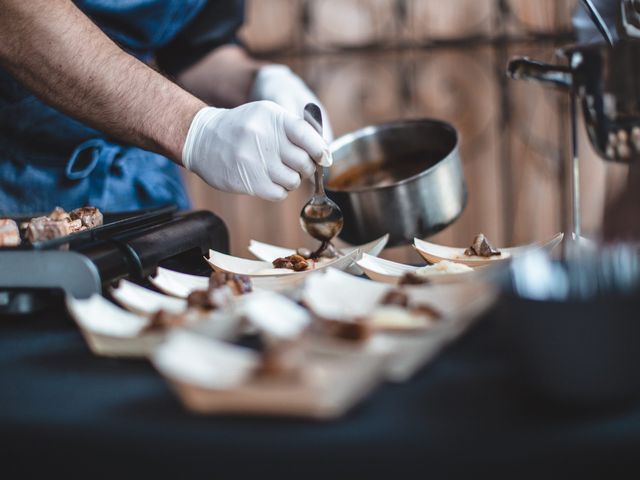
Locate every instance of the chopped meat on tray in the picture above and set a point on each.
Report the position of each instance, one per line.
(9, 233)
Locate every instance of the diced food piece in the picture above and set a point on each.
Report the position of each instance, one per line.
(163, 319)
(200, 299)
(411, 278)
(9, 233)
(292, 262)
(282, 361)
(481, 248)
(239, 284)
(211, 299)
(60, 223)
(89, 216)
(395, 297)
(59, 213)
(357, 330)
(222, 288)
(41, 229)
(76, 226)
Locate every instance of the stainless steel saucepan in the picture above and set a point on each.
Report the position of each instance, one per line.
(423, 193)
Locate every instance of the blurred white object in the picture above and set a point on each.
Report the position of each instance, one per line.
(257, 149)
(98, 315)
(145, 302)
(280, 85)
(335, 295)
(338, 296)
(178, 284)
(204, 362)
(275, 315)
(111, 331)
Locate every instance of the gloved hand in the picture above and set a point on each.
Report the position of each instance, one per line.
(279, 84)
(257, 149)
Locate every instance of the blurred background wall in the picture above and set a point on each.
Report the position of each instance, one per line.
(372, 61)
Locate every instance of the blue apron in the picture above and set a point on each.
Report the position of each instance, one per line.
(49, 159)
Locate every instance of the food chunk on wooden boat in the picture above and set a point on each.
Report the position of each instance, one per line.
(296, 262)
(481, 247)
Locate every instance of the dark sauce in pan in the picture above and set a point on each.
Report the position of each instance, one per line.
(381, 174)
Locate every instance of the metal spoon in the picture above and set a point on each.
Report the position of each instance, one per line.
(320, 217)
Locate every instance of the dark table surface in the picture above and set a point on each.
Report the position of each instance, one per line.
(65, 411)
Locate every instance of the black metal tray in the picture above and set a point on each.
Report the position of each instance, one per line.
(115, 223)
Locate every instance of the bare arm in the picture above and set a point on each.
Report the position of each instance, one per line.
(222, 78)
(60, 55)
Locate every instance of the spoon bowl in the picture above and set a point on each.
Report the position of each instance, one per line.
(321, 218)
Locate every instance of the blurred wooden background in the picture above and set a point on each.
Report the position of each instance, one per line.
(372, 61)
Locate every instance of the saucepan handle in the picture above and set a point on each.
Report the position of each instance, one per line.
(522, 68)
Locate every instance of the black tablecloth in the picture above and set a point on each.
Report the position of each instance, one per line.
(65, 411)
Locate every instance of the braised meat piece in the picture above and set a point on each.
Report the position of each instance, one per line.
(211, 299)
(282, 361)
(222, 288)
(481, 248)
(411, 278)
(89, 216)
(395, 297)
(162, 320)
(9, 233)
(239, 284)
(201, 299)
(292, 262)
(356, 331)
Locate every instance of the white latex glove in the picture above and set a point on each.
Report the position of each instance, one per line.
(257, 149)
(279, 84)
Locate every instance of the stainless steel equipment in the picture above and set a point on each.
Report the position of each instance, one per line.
(597, 19)
(420, 205)
(629, 19)
(606, 82)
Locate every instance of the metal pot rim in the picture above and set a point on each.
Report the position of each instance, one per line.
(356, 135)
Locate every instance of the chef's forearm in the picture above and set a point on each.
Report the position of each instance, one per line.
(223, 78)
(59, 54)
